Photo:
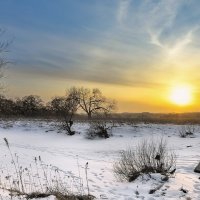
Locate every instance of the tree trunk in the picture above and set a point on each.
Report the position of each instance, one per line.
(89, 115)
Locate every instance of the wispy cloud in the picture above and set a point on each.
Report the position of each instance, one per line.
(105, 60)
(177, 45)
(180, 44)
(131, 54)
(162, 24)
(122, 10)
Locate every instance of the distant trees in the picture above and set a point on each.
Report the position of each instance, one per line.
(92, 102)
(57, 106)
(30, 105)
(7, 106)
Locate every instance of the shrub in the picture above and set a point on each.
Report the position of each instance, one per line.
(148, 157)
(187, 131)
(99, 129)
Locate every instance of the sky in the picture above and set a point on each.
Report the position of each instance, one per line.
(135, 51)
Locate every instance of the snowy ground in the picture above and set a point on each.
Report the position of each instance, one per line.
(33, 139)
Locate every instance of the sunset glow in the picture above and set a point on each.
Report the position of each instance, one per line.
(132, 50)
(181, 95)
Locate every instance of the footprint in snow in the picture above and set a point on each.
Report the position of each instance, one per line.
(103, 196)
(197, 187)
(99, 178)
(96, 186)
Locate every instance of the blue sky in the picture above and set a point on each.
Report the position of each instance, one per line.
(134, 45)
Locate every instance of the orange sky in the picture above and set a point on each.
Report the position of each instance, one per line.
(136, 52)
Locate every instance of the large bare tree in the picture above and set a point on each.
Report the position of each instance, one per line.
(92, 101)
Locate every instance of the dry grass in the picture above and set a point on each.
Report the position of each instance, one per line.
(39, 180)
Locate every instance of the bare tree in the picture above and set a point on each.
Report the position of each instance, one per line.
(71, 106)
(3, 60)
(66, 107)
(92, 101)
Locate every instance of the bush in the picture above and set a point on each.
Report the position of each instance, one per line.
(187, 131)
(148, 157)
(99, 129)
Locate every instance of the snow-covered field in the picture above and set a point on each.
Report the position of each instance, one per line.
(70, 153)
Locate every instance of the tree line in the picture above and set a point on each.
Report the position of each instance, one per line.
(77, 100)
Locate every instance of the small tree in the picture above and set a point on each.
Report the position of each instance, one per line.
(66, 107)
(92, 101)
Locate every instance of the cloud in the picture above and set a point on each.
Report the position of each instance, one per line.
(122, 10)
(177, 45)
(180, 44)
(131, 54)
(105, 59)
(162, 24)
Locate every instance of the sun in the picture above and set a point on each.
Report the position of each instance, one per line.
(181, 95)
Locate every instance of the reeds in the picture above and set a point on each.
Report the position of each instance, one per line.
(40, 180)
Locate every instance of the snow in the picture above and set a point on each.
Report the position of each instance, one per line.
(30, 139)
